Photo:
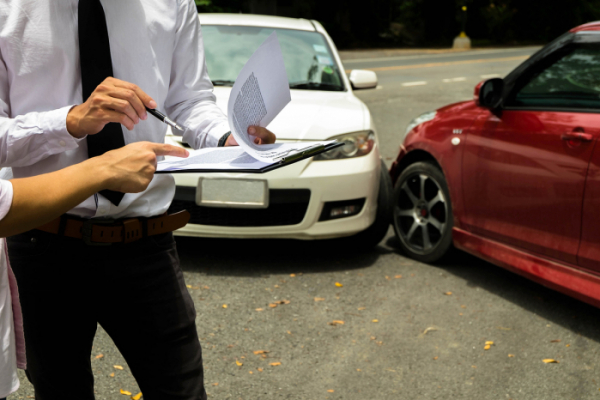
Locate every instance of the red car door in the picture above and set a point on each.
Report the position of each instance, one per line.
(589, 252)
(525, 166)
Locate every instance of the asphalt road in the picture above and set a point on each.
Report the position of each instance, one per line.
(404, 330)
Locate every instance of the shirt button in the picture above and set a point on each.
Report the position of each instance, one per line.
(62, 143)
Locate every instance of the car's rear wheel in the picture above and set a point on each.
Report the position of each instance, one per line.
(422, 215)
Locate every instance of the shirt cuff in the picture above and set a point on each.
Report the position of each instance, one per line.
(216, 133)
(6, 197)
(54, 125)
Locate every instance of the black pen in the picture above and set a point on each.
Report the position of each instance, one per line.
(165, 119)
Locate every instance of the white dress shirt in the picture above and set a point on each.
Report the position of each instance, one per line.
(156, 44)
(9, 382)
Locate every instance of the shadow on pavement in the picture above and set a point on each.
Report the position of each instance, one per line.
(258, 257)
(572, 314)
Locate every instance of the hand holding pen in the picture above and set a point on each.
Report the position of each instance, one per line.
(113, 100)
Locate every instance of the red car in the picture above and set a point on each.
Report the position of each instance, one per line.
(513, 176)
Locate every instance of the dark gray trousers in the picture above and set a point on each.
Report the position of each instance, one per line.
(135, 291)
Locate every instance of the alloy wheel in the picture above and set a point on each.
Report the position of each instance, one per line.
(421, 213)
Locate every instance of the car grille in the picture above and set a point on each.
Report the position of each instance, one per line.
(286, 207)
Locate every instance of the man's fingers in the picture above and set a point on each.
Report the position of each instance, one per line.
(132, 98)
(119, 117)
(264, 134)
(169, 150)
(144, 97)
(125, 107)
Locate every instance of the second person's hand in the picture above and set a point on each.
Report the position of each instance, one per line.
(260, 136)
(130, 169)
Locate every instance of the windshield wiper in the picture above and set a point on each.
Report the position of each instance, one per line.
(223, 82)
(316, 86)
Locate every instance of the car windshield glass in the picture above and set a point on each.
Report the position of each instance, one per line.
(573, 81)
(308, 60)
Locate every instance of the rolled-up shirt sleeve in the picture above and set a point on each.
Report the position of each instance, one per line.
(6, 197)
(191, 100)
(29, 138)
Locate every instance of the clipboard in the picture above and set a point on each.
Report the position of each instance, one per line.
(282, 162)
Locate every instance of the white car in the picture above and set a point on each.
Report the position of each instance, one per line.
(340, 193)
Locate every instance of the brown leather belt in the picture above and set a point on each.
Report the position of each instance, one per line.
(108, 231)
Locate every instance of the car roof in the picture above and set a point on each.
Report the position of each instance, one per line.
(256, 20)
(590, 26)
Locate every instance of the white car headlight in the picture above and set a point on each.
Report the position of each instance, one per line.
(428, 116)
(356, 144)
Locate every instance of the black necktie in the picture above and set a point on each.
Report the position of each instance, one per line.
(96, 66)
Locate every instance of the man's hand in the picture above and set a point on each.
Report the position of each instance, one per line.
(113, 100)
(130, 169)
(261, 136)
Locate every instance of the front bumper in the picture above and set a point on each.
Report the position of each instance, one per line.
(327, 181)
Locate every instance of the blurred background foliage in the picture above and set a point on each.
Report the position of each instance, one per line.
(434, 23)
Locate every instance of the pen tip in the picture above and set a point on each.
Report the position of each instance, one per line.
(179, 127)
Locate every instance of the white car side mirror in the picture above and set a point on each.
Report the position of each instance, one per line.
(362, 79)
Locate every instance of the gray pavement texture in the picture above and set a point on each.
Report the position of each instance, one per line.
(409, 331)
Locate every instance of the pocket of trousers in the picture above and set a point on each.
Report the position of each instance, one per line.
(29, 244)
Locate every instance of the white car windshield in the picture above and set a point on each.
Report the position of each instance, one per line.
(308, 60)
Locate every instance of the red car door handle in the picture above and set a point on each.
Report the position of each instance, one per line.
(584, 137)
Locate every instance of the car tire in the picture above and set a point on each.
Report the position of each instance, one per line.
(422, 212)
(374, 234)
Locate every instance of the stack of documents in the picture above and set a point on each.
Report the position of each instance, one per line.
(260, 92)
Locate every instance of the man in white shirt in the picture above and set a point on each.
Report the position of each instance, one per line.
(135, 290)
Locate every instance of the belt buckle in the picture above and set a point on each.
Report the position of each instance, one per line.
(86, 230)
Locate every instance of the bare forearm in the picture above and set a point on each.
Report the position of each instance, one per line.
(42, 198)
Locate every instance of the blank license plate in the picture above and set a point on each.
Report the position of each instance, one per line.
(232, 193)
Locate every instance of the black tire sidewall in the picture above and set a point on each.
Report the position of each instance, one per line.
(444, 245)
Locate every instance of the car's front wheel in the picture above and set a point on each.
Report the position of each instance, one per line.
(423, 212)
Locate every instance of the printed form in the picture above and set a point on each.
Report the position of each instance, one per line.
(258, 95)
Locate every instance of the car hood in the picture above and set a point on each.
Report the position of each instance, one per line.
(313, 115)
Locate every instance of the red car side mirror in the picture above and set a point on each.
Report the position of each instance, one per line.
(489, 93)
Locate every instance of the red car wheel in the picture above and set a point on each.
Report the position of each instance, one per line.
(423, 212)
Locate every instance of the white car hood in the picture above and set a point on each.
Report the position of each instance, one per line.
(313, 115)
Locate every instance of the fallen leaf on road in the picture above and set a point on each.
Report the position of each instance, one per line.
(550, 361)
(398, 276)
(261, 352)
(511, 355)
(188, 286)
(375, 320)
(250, 372)
(137, 396)
(239, 364)
(338, 284)
(387, 277)
(99, 356)
(330, 391)
(463, 306)
(259, 309)
(125, 392)
(275, 364)
(276, 286)
(336, 322)
(292, 275)
(487, 347)
(489, 342)
(259, 369)
(273, 305)
(205, 287)
(216, 384)
(289, 332)
(379, 343)
(555, 341)
(361, 308)
(373, 337)
(224, 305)
(448, 293)
(319, 299)
(567, 345)
(358, 369)
(430, 329)
(112, 375)
(435, 358)
(118, 367)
